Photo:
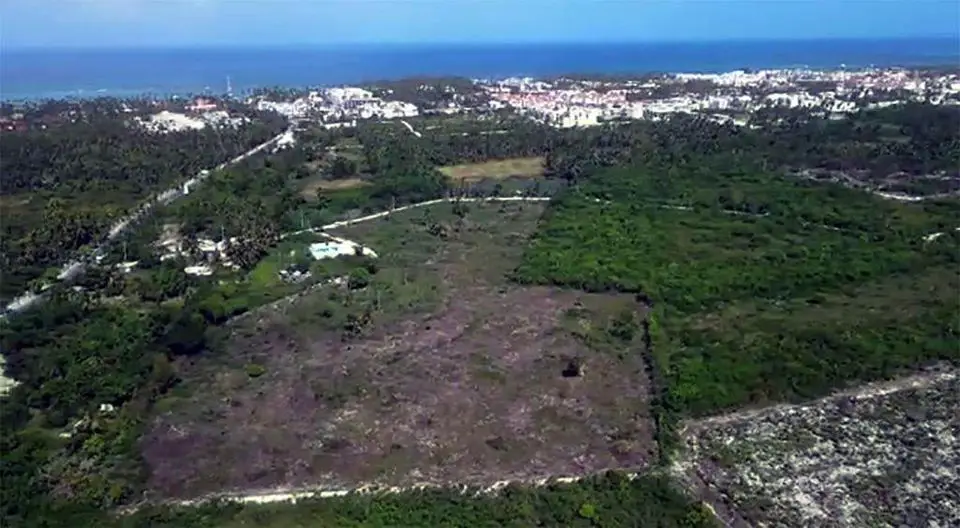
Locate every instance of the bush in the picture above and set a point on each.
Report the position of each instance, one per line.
(255, 371)
(359, 278)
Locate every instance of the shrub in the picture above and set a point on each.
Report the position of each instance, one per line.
(255, 371)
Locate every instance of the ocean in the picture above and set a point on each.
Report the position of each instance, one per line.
(33, 74)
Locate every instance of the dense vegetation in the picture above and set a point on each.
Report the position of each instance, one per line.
(915, 138)
(742, 238)
(73, 358)
(898, 142)
(694, 262)
(764, 288)
(492, 138)
(758, 281)
(64, 185)
(430, 93)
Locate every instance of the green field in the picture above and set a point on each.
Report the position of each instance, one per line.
(495, 169)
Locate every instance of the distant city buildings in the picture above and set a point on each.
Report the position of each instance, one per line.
(201, 105)
(727, 97)
(203, 114)
(339, 106)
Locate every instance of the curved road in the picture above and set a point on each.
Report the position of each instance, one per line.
(388, 212)
(74, 269)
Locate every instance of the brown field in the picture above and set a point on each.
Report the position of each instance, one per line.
(529, 167)
(460, 376)
(309, 190)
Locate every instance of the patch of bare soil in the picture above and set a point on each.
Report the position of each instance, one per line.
(481, 390)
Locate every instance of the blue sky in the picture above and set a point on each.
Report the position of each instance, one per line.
(180, 23)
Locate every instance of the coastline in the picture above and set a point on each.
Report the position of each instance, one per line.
(32, 74)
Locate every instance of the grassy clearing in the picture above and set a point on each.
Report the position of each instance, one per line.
(487, 242)
(311, 187)
(233, 293)
(265, 275)
(497, 169)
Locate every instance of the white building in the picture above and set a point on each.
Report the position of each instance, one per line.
(338, 248)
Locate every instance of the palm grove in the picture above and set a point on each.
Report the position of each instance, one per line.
(699, 220)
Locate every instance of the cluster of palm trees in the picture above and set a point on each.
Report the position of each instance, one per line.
(89, 172)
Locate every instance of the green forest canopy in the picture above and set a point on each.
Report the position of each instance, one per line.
(758, 245)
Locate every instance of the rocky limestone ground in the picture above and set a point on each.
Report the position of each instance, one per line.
(878, 457)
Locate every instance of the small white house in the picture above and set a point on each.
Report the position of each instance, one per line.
(127, 267)
(336, 248)
(200, 271)
(332, 249)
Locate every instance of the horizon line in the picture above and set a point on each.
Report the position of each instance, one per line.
(333, 46)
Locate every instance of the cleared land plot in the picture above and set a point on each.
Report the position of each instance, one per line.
(310, 188)
(527, 167)
(875, 458)
(438, 371)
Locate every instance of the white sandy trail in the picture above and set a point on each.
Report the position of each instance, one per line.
(294, 495)
(382, 214)
(865, 392)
